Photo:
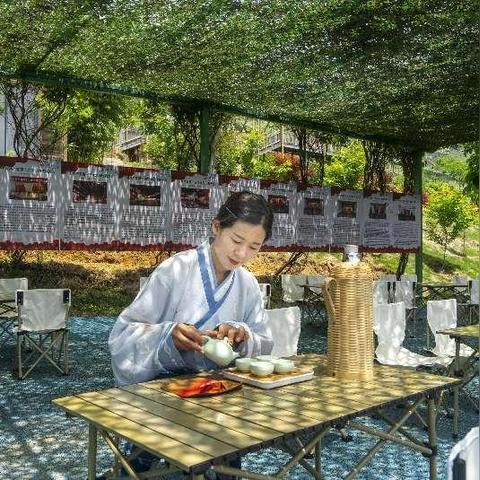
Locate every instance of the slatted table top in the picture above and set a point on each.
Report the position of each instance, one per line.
(193, 433)
(464, 331)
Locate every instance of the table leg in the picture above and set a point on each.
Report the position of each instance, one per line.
(318, 452)
(432, 436)
(456, 389)
(92, 452)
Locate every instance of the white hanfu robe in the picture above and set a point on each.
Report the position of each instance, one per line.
(140, 342)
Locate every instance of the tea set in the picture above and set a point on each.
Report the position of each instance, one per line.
(221, 352)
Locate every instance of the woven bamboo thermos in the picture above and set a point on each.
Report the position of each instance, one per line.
(349, 302)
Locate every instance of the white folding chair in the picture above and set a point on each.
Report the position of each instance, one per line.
(463, 461)
(284, 327)
(380, 292)
(8, 308)
(42, 327)
(315, 283)
(142, 282)
(404, 291)
(473, 310)
(441, 315)
(266, 291)
(389, 326)
(388, 278)
(409, 278)
(292, 287)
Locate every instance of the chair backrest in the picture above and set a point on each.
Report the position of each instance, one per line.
(142, 282)
(43, 309)
(405, 292)
(380, 292)
(8, 287)
(315, 283)
(474, 291)
(409, 278)
(387, 278)
(463, 461)
(284, 327)
(292, 291)
(266, 291)
(389, 326)
(442, 314)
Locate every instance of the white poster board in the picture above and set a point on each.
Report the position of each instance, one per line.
(28, 204)
(346, 214)
(406, 228)
(314, 228)
(89, 207)
(196, 200)
(377, 222)
(282, 197)
(144, 207)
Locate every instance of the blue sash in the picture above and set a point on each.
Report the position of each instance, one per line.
(213, 305)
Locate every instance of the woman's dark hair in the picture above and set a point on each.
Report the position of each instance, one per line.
(246, 207)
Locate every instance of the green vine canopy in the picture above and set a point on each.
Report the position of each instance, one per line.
(400, 73)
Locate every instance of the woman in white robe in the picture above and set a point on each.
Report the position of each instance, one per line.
(203, 291)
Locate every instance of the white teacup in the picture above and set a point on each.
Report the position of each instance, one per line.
(243, 364)
(261, 368)
(283, 365)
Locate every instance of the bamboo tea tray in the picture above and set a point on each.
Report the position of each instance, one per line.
(299, 374)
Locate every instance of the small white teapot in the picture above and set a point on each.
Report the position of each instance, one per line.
(219, 351)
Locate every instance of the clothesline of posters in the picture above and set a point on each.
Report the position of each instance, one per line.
(79, 206)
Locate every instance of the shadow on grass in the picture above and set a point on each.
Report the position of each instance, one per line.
(436, 264)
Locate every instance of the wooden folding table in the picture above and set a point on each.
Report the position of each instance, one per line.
(200, 434)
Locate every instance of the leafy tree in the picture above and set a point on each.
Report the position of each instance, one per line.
(346, 168)
(472, 181)
(273, 166)
(452, 167)
(33, 125)
(237, 148)
(91, 122)
(448, 213)
(158, 126)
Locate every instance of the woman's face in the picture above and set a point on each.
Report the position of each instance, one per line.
(236, 245)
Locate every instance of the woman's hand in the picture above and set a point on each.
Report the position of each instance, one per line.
(186, 337)
(235, 335)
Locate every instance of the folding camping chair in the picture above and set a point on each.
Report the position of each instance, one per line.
(42, 327)
(8, 308)
(389, 327)
(284, 326)
(266, 291)
(441, 315)
(463, 461)
(293, 287)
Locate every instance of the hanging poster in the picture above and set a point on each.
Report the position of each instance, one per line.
(73, 206)
(28, 196)
(241, 184)
(196, 200)
(89, 213)
(144, 207)
(406, 229)
(313, 220)
(346, 213)
(377, 221)
(282, 197)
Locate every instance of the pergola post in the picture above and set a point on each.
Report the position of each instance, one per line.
(417, 175)
(204, 141)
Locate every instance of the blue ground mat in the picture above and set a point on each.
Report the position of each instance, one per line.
(38, 441)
